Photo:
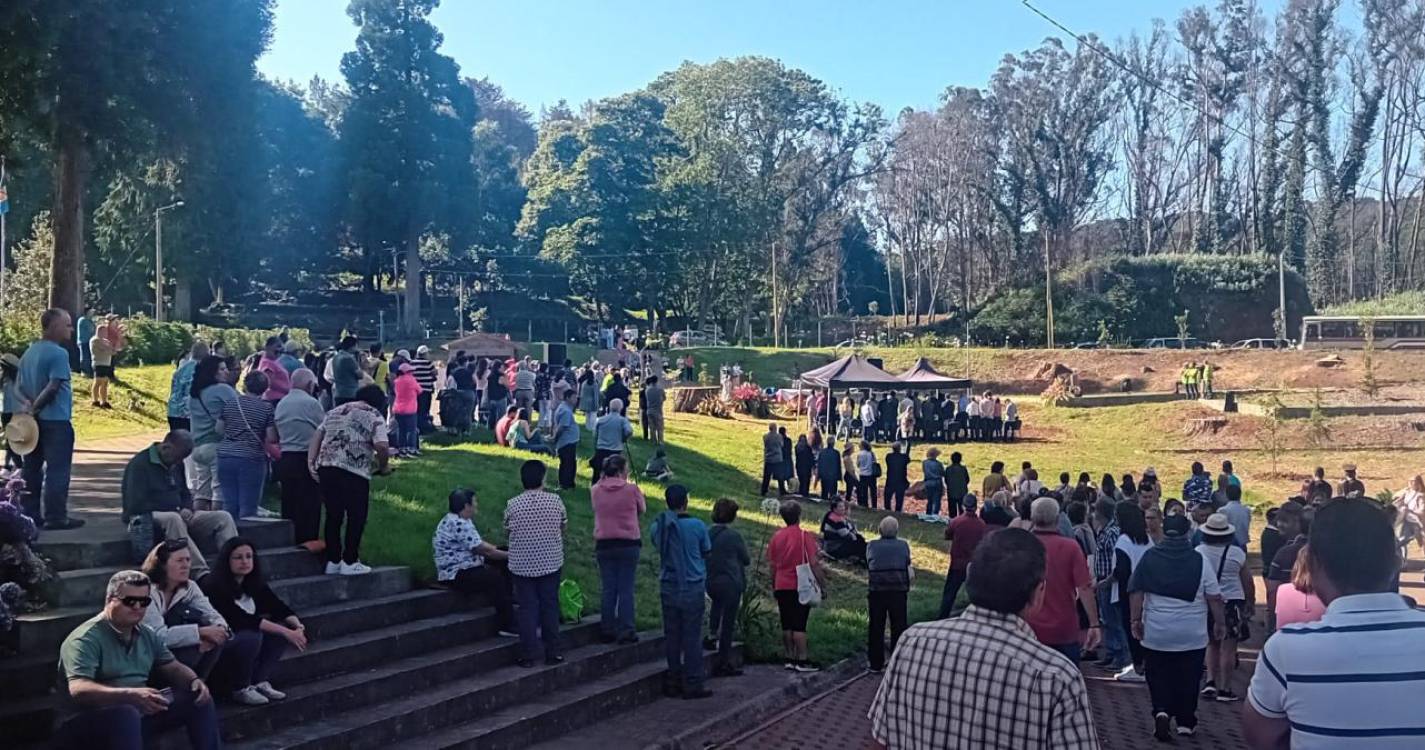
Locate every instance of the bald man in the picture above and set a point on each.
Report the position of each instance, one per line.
(298, 415)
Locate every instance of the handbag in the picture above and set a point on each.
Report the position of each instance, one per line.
(808, 592)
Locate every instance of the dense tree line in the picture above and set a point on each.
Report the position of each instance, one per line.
(740, 192)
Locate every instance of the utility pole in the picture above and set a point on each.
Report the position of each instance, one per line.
(158, 258)
(1281, 293)
(1048, 292)
(4, 209)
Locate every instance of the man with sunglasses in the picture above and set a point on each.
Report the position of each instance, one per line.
(107, 662)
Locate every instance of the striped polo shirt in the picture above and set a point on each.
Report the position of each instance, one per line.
(1352, 679)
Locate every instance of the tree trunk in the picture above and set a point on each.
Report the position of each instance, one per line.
(413, 287)
(66, 290)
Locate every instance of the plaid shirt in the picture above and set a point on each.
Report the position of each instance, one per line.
(1104, 557)
(981, 680)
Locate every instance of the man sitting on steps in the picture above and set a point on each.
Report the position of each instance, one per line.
(107, 662)
(157, 504)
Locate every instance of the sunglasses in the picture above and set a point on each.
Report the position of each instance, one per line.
(136, 602)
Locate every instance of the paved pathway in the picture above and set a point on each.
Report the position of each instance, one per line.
(94, 489)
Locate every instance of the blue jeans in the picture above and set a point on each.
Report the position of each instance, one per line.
(1114, 641)
(242, 480)
(408, 432)
(124, 728)
(617, 566)
(538, 600)
(248, 659)
(932, 498)
(1071, 650)
(683, 635)
(47, 470)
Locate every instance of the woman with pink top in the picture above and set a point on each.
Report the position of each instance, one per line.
(1297, 601)
(404, 407)
(618, 538)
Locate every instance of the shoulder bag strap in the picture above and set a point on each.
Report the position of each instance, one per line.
(1227, 550)
(247, 424)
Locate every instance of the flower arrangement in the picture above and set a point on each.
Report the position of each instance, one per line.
(24, 575)
(750, 400)
(15, 526)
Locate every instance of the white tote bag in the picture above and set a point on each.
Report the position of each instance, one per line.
(808, 592)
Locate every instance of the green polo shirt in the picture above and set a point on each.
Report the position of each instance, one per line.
(95, 651)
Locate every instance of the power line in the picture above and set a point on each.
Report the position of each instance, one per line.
(1119, 63)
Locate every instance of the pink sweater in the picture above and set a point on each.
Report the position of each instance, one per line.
(407, 393)
(617, 504)
(1295, 607)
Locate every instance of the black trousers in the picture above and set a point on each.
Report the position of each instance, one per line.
(597, 463)
(492, 581)
(953, 582)
(804, 481)
(567, 466)
(828, 487)
(1172, 682)
(301, 496)
(723, 620)
(347, 497)
(884, 604)
(770, 472)
(895, 492)
(424, 421)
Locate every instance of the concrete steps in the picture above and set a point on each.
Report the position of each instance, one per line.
(84, 586)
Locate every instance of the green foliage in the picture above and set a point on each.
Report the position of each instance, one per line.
(1217, 297)
(1400, 303)
(1271, 436)
(27, 284)
(1370, 383)
(1317, 428)
(151, 342)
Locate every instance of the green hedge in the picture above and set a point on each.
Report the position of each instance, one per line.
(1226, 298)
(151, 342)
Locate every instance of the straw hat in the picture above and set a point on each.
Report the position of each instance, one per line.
(22, 434)
(1218, 525)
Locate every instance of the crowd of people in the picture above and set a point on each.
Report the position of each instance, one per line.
(915, 417)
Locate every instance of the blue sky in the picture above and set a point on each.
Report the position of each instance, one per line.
(893, 53)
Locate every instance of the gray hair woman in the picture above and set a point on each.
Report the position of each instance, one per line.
(888, 560)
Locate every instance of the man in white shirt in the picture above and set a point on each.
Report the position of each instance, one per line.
(868, 419)
(1354, 678)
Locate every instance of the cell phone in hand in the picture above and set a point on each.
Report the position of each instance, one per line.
(167, 694)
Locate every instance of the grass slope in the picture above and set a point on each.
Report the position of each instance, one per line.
(139, 397)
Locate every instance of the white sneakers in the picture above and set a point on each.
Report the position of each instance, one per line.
(1129, 674)
(271, 693)
(347, 569)
(250, 696)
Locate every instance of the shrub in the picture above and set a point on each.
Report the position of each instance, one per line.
(152, 342)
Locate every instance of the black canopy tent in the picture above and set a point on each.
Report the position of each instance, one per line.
(851, 371)
(922, 376)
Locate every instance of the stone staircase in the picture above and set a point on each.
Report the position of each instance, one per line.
(390, 664)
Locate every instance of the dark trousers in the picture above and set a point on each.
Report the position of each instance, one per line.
(596, 463)
(828, 487)
(201, 662)
(124, 728)
(618, 566)
(954, 505)
(426, 422)
(568, 465)
(248, 658)
(895, 492)
(492, 581)
(12, 459)
(1173, 681)
(804, 481)
(884, 604)
(866, 492)
(1135, 647)
(301, 496)
(722, 621)
(770, 472)
(953, 582)
(347, 497)
(47, 472)
(683, 635)
(538, 613)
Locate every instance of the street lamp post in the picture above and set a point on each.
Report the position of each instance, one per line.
(158, 258)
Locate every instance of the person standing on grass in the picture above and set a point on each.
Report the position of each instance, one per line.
(865, 476)
(683, 544)
(468, 563)
(45, 394)
(964, 532)
(868, 418)
(617, 505)
(405, 407)
(982, 680)
(340, 458)
(652, 398)
(828, 469)
(425, 376)
(1066, 580)
(248, 430)
(297, 417)
(805, 460)
(534, 524)
(1350, 486)
(727, 580)
(1173, 592)
(933, 481)
(787, 549)
(772, 460)
(897, 480)
(889, 576)
(84, 330)
(102, 349)
(566, 438)
(1353, 679)
(346, 371)
(611, 434)
(1229, 565)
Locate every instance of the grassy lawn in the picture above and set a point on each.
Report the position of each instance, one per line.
(139, 397)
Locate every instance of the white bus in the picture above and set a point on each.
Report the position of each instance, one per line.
(1349, 331)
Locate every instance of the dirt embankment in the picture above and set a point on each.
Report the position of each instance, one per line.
(1402, 374)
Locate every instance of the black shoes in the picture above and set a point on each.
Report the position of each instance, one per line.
(1162, 727)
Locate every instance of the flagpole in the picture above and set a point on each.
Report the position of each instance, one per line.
(3, 211)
